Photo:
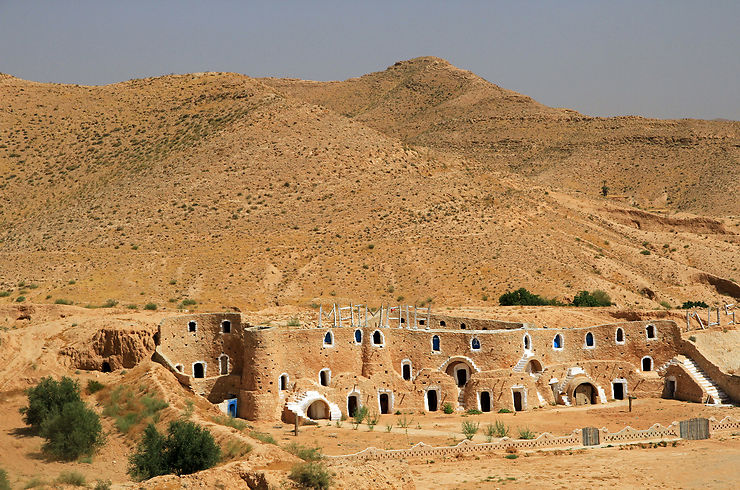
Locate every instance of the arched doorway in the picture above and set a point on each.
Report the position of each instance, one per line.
(106, 367)
(199, 370)
(647, 363)
(432, 400)
(318, 410)
(460, 371)
(485, 401)
(353, 403)
(533, 367)
(585, 394)
(384, 401)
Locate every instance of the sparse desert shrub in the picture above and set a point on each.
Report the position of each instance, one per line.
(4, 294)
(150, 306)
(311, 475)
(498, 428)
(132, 307)
(371, 419)
(469, 429)
(94, 386)
(511, 456)
(448, 408)
(473, 411)
(102, 485)
(4, 482)
(75, 431)
(692, 338)
(235, 449)
(591, 299)
(304, 452)
(229, 421)
(522, 297)
(645, 252)
(403, 422)
(694, 304)
(360, 415)
(71, 478)
(294, 322)
(665, 304)
(263, 436)
(35, 482)
(525, 433)
(20, 299)
(504, 410)
(186, 302)
(110, 303)
(47, 398)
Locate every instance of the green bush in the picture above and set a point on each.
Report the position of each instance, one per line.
(4, 294)
(110, 303)
(304, 452)
(94, 386)
(20, 299)
(523, 297)
(447, 408)
(511, 456)
(525, 433)
(4, 482)
(150, 306)
(694, 304)
(102, 485)
(71, 478)
(263, 437)
(75, 431)
(645, 252)
(360, 414)
(469, 429)
(47, 398)
(229, 421)
(504, 410)
(473, 411)
(62, 301)
(186, 449)
(311, 475)
(595, 298)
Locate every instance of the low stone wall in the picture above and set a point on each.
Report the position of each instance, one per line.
(543, 441)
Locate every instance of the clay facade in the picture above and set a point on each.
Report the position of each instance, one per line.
(329, 372)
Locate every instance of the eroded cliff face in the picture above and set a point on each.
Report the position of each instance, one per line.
(111, 348)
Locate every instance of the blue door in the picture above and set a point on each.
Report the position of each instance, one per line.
(232, 407)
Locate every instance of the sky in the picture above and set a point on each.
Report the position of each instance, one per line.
(666, 59)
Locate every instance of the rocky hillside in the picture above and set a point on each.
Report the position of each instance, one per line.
(232, 191)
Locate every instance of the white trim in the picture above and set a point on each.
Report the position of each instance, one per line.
(390, 400)
(431, 344)
(181, 368)
(623, 382)
(331, 336)
(490, 401)
(523, 390)
(354, 392)
(354, 336)
(205, 368)
(527, 342)
(475, 339)
(382, 339)
(220, 366)
(652, 364)
(287, 381)
(655, 332)
(450, 360)
(407, 362)
(435, 388)
(585, 340)
(328, 377)
(561, 342)
(195, 326)
(619, 342)
(222, 326)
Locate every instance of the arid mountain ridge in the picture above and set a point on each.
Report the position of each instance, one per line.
(422, 181)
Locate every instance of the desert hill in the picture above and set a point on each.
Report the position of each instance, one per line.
(233, 191)
(688, 165)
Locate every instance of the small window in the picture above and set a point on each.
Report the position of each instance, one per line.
(358, 336)
(463, 326)
(328, 339)
(619, 337)
(283, 382)
(650, 331)
(226, 326)
(527, 342)
(223, 363)
(422, 322)
(442, 323)
(589, 339)
(192, 326)
(403, 320)
(557, 342)
(324, 377)
(435, 343)
(179, 367)
(406, 370)
(647, 363)
(475, 344)
(199, 370)
(377, 338)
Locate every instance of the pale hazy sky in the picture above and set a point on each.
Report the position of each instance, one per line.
(654, 58)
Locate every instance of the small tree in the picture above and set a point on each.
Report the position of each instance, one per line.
(190, 448)
(47, 398)
(311, 475)
(75, 431)
(604, 189)
(149, 460)
(469, 429)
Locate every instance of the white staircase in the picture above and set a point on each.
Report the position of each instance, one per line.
(566, 400)
(541, 399)
(299, 403)
(719, 397)
(519, 367)
(602, 394)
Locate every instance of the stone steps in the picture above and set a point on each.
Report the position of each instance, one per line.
(719, 397)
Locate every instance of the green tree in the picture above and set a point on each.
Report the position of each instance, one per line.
(46, 399)
(522, 297)
(73, 432)
(596, 298)
(149, 459)
(190, 448)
